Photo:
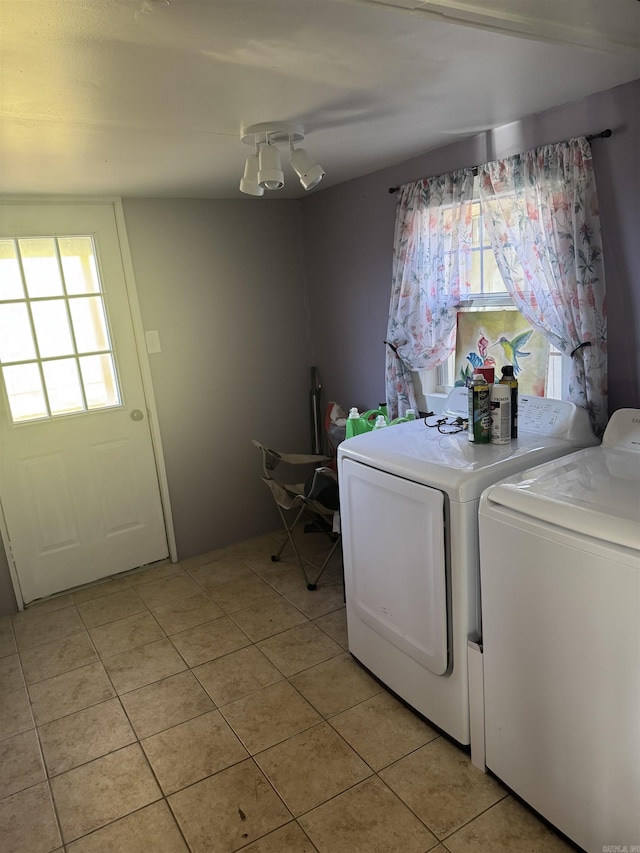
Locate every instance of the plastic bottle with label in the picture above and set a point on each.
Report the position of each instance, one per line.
(500, 414)
(508, 378)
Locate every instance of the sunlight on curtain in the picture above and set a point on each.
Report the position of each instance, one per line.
(541, 214)
(431, 273)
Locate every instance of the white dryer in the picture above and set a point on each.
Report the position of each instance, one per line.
(409, 511)
(560, 568)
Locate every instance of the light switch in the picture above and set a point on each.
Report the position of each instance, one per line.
(153, 341)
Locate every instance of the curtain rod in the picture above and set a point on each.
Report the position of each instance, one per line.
(604, 134)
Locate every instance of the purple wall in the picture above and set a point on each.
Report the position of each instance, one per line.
(348, 242)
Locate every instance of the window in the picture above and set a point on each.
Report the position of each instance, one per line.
(55, 347)
(488, 293)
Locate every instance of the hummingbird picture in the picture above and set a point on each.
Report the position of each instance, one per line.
(513, 349)
(495, 338)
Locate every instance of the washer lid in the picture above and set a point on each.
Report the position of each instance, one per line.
(594, 492)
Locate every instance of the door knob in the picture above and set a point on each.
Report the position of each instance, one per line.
(137, 415)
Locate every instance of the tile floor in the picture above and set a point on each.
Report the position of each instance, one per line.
(212, 706)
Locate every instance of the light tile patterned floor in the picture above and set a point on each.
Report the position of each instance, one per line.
(212, 706)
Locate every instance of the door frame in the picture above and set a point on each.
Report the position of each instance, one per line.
(143, 361)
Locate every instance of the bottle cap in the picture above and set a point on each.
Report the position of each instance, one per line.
(499, 391)
(354, 413)
(507, 370)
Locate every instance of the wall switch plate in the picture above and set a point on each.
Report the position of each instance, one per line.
(153, 341)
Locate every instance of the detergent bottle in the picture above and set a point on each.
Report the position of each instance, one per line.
(371, 415)
(356, 424)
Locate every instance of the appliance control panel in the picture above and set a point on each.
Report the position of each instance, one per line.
(539, 416)
(556, 419)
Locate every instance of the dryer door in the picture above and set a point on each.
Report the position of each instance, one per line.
(394, 561)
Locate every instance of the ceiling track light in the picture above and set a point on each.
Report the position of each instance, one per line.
(263, 169)
(270, 174)
(305, 167)
(249, 182)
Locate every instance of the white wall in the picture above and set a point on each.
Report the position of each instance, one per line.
(222, 283)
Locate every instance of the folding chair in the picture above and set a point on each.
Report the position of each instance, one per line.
(303, 484)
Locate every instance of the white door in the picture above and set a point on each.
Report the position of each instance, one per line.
(78, 481)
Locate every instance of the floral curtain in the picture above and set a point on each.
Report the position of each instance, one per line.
(431, 273)
(540, 210)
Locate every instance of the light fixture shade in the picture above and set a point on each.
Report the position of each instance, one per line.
(249, 181)
(306, 168)
(270, 174)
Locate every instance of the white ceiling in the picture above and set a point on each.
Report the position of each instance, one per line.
(147, 97)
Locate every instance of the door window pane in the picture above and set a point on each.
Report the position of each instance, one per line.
(99, 379)
(52, 328)
(63, 386)
(24, 390)
(89, 323)
(40, 265)
(10, 278)
(79, 265)
(16, 338)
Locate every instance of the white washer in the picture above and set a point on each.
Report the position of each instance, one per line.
(409, 512)
(560, 568)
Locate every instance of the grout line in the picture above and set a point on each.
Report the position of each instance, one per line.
(55, 811)
(475, 816)
(177, 823)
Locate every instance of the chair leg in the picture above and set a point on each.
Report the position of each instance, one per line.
(311, 585)
(289, 528)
